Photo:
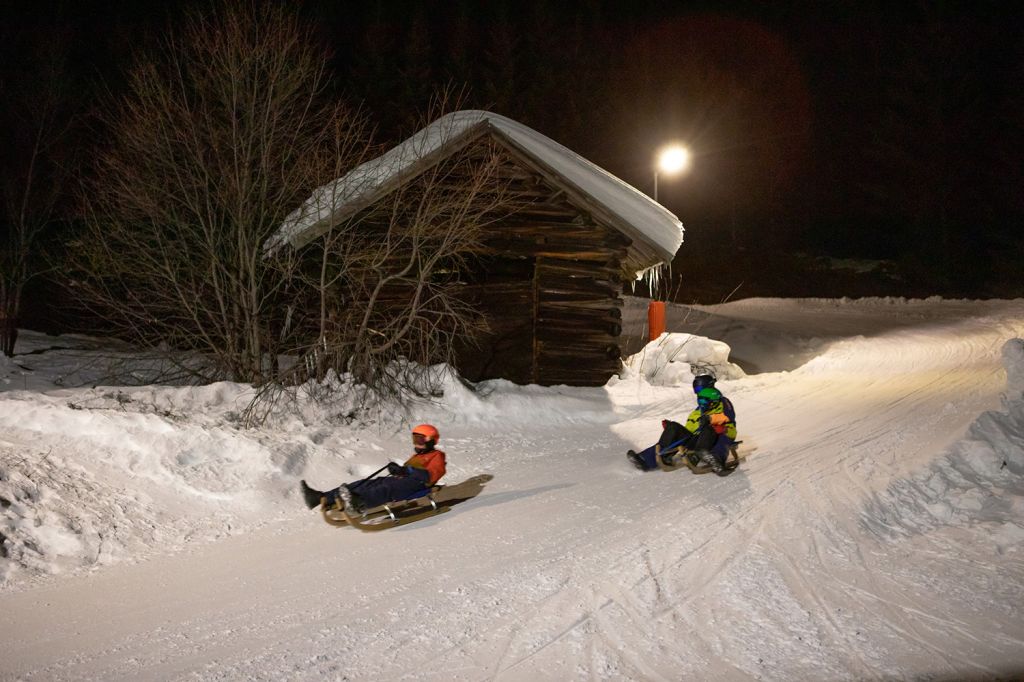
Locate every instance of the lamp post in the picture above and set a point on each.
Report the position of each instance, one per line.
(672, 159)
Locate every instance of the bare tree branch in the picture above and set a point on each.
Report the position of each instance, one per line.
(388, 278)
(221, 134)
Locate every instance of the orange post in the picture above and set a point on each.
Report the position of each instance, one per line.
(656, 319)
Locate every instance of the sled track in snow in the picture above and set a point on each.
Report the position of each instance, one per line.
(572, 565)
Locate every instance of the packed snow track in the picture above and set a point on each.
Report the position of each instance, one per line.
(875, 533)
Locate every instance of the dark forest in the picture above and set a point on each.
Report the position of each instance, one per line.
(839, 149)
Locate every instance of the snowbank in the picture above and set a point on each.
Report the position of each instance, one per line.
(94, 476)
(977, 482)
(1013, 359)
(673, 359)
(502, 403)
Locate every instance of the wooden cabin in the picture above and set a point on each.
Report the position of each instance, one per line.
(550, 273)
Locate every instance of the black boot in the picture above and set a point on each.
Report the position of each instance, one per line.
(311, 497)
(709, 460)
(716, 464)
(635, 460)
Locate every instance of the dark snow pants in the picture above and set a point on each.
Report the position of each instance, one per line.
(377, 491)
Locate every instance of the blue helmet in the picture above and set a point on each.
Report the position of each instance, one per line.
(702, 381)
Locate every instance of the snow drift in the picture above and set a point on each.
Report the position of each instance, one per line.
(977, 483)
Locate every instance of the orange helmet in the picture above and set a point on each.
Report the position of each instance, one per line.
(427, 431)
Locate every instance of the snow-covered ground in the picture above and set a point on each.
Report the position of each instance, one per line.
(876, 533)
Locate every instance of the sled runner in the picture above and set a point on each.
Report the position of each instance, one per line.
(396, 513)
(677, 457)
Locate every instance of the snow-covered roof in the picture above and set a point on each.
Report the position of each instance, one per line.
(656, 232)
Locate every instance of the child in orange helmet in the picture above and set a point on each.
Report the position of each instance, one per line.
(419, 473)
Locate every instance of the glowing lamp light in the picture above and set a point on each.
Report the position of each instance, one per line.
(671, 160)
(674, 160)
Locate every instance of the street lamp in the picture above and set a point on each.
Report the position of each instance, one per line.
(672, 159)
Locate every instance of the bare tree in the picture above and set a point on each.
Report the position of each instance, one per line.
(33, 177)
(386, 281)
(390, 280)
(220, 135)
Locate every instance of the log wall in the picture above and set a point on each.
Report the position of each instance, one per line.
(550, 288)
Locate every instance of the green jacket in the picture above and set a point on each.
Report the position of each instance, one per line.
(719, 421)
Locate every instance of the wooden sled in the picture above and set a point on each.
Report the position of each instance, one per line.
(437, 500)
(397, 513)
(680, 457)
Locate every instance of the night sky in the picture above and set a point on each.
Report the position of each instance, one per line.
(860, 130)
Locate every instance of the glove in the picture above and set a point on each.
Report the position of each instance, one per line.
(396, 469)
(705, 420)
